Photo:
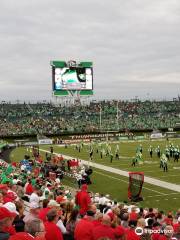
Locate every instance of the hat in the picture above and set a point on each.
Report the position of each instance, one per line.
(3, 186)
(11, 207)
(53, 203)
(34, 205)
(111, 215)
(178, 219)
(5, 213)
(11, 196)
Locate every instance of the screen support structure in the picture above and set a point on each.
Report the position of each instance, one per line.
(73, 98)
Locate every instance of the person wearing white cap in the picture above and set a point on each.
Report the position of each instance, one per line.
(11, 207)
(33, 212)
(35, 196)
(53, 203)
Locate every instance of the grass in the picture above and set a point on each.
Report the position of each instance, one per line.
(115, 185)
(127, 151)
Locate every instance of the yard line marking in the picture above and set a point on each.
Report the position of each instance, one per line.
(171, 176)
(167, 194)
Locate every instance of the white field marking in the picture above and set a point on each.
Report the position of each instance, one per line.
(167, 194)
(125, 157)
(113, 164)
(128, 182)
(150, 171)
(150, 180)
(171, 175)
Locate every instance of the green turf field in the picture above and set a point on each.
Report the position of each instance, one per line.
(127, 151)
(116, 185)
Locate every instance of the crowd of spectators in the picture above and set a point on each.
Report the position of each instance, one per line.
(47, 118)
(56, 212)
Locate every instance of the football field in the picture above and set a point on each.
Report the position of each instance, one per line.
(116, 185)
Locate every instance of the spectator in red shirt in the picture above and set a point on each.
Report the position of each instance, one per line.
(119, 232)
(176, 226)
(133, 215)
(84, 228)
(169, 220)
(29, 188)
(168, 233)
(43, 211)
(98, 219)
(83, 200)
(130, 233)
(6, 219)
(52, 230)
(104, 229)
(34, 230)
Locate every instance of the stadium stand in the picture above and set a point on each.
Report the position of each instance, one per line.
(47, 119)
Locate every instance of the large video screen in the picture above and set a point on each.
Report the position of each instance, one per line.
(73, 78)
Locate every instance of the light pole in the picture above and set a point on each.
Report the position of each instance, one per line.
(100, 117)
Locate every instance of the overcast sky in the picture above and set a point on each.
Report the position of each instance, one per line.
(134, 45)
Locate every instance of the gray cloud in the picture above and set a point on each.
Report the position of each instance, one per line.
(134, 45)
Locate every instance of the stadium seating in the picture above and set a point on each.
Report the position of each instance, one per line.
(46, 118)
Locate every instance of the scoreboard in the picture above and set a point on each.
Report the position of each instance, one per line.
(72, 76)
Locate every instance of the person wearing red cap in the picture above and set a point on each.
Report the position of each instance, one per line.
(83, 199)
(104, 230)
(52, 230)
(9, 197)
(6, 219)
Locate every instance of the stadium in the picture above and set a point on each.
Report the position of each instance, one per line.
(79, 166)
